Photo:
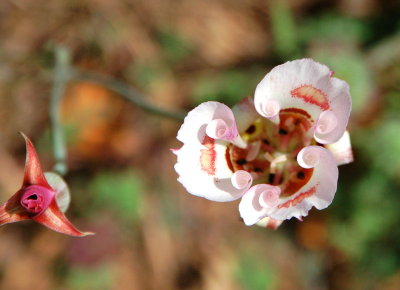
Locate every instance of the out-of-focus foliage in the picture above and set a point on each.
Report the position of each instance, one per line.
(118, 192)
(151, 234)
(253, 273)
(95, 278)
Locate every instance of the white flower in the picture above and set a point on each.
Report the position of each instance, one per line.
(267, 151)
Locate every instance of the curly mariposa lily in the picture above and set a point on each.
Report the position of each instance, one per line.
(278, 152)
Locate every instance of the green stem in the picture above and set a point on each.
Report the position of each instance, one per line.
(63, 73)
(127, 92)
(61, 77)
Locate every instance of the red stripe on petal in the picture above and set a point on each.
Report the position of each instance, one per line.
(228, 159)
(311, 95)
(33, 174)
(299, 198)
(208, 156)
(55, 220)
(297, 111)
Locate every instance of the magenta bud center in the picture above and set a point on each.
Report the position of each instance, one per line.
(36, 199)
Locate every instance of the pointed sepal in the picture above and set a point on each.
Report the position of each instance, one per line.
(11, 211)
(33, 174)
(55, 220)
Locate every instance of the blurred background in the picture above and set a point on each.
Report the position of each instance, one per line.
(150, 233)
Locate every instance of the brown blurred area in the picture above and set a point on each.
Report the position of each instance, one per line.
(160, 237)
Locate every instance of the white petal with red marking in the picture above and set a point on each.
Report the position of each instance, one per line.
(213, 119)
(318, 191)
(257, 202)
(204, 171)
(307, 85)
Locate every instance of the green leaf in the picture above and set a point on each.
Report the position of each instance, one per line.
(333, 28)
(283, 28)
(174, 46)
(254, 273)
(120, 192)
(80, 278)
(228, 86)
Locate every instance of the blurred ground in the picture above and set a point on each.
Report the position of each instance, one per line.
(151, 234)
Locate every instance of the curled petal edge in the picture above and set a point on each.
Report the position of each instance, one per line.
(257, 202)
(213, 119)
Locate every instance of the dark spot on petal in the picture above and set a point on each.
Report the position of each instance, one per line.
(265, 141)
(257, 169)
(33, 196)
(283, 132)
(301, 175)
(241, 161)
(251, 129)
(271, 178)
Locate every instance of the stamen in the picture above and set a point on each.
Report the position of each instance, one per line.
(279, 158)
(267, 147)
(269, 157)
(254, 149)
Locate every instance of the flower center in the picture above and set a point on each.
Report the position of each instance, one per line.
(270, 156)
(36, 198)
